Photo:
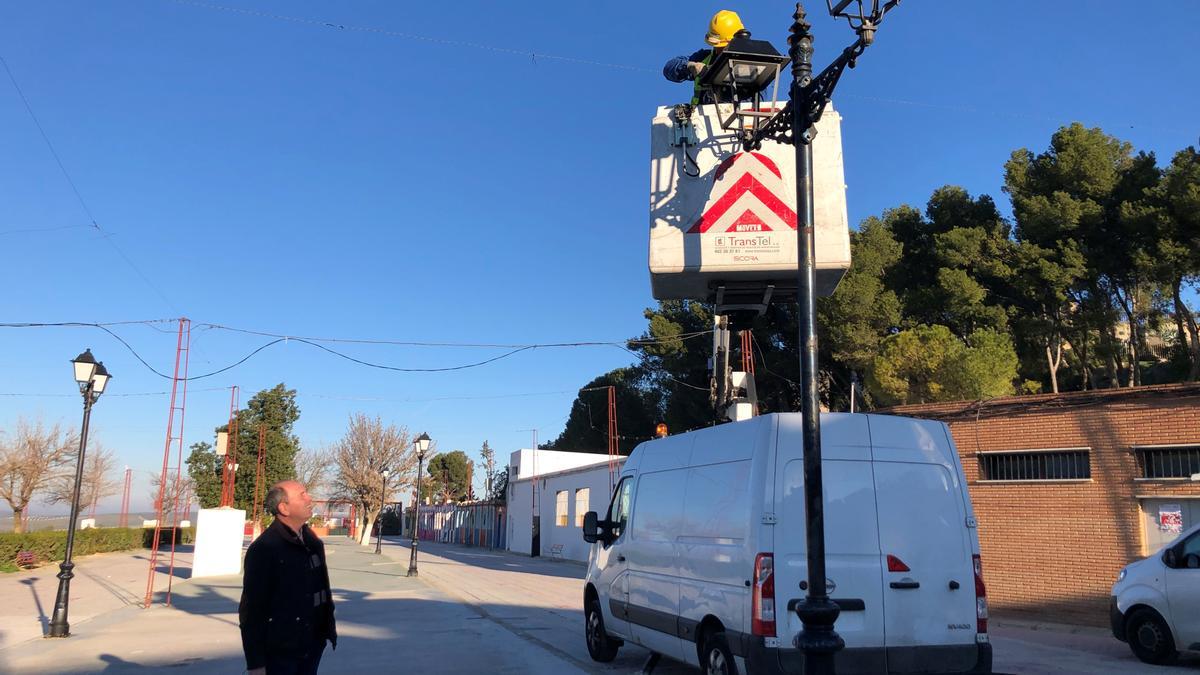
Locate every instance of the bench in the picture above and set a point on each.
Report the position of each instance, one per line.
(26, 559)
(556, 551)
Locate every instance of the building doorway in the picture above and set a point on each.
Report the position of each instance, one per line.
(535, 548)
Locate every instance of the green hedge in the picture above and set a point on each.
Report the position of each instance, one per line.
(50, 546)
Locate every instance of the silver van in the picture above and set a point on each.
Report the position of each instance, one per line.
(701, 555)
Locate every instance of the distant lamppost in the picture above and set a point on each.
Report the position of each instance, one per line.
(796, 124)
(382, 503)
(422, 445)
(92, 378)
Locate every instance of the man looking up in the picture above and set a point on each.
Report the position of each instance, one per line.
(286, 612)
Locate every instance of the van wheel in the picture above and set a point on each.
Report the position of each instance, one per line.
(1150, 638)
(715, 657)
(600, 646)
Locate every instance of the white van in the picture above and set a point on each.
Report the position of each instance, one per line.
(701, 554)
(1156, 601)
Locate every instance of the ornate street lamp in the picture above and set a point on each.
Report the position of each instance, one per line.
(422, 445)
(795, 124)
(379, 519)
(92, 378)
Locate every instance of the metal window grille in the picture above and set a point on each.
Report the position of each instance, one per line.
(1044, 465)
(1178, 462)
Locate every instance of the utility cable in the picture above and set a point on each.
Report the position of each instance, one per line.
(43, 229)
(515, 350)
(104, 234)
(763, 359)
(58, 160)
(413, 37)
(485, 345)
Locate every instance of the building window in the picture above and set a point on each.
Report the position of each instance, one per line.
(583, 503)
(1026, 465)
(560, 508)
(1180, 461)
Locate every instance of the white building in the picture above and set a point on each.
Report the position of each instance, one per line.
(552, 490)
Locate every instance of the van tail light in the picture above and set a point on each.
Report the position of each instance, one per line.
(762, 601)
(981, 604)
(896, 565)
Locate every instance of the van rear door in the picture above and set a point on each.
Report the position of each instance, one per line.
(929, 582)
(851, 538)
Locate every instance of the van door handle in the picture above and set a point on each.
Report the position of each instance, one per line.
(620, 558)
(905, 584)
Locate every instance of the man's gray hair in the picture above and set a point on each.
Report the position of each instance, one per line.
(275, 496)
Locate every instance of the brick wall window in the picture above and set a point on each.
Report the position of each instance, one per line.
(1177, 461)
(1034, 465)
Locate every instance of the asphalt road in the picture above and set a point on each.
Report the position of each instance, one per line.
(469, 611)
(540, 600)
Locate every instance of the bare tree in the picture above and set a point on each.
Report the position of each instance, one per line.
(360, 456)
(178, 495)
(97, 482)
(313, 468)
(30, 459)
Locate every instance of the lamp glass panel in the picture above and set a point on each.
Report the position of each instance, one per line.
(84, 371)
(99, 381)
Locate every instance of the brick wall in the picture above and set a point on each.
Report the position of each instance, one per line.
(1054, 548)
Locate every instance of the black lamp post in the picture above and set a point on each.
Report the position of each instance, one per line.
(382, 503)
(92, 378)
(795, 124)
(422, 445)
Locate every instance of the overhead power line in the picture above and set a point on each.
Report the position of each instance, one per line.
(313, 342)
(104, 234)
(320, 23)
(487, 345)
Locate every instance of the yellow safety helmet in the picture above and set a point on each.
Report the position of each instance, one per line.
(724, 25)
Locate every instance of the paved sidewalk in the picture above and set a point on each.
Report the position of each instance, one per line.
(103, 582)
(386, 622)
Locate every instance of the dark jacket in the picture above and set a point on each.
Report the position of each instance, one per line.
(286, 602)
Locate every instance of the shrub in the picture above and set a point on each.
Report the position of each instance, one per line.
(51, 546)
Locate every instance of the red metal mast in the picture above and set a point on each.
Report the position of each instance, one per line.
(229, 467)
(258, 474)
(612, 439)
(174, 436)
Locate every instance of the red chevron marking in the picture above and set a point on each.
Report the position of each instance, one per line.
(747, 183)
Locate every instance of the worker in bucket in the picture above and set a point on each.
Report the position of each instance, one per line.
(725, 25)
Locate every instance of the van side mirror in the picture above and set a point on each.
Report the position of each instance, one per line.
(591, 527)
(1170, 558)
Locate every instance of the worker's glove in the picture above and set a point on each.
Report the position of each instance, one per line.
(695, 68)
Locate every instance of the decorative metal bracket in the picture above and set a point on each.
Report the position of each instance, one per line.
(814, 96)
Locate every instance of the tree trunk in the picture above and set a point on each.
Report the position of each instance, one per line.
(1128, 303)
(364, 537)
(1188, 321)
(1053, 361)
(18, 520)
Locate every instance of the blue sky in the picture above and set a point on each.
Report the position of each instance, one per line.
(279, 169)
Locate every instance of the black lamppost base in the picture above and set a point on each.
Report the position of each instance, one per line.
(59, 626)
(412, 560)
